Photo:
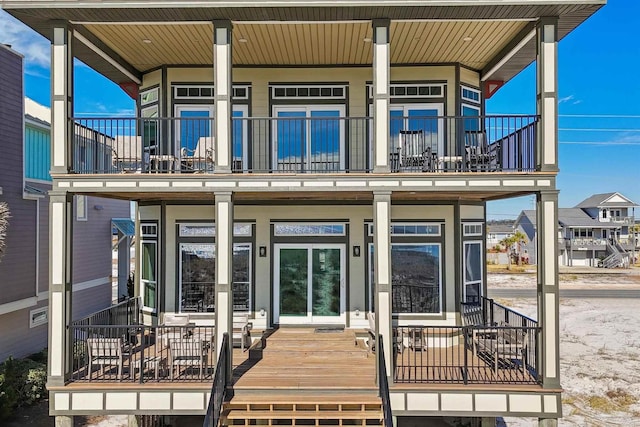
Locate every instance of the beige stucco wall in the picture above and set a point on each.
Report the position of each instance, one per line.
(356, 216)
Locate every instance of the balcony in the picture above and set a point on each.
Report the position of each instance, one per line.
(112, 346)
(314, 144)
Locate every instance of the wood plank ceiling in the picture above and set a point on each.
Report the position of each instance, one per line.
(473, 43)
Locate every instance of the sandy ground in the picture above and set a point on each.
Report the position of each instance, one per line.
(600, 350)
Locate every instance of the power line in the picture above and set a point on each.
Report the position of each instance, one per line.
(599, 130)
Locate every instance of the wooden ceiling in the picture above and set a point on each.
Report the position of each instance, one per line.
(146, 46)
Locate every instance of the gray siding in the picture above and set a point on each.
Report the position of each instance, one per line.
(91, 300)
(18, 340)
(92, 239)
(17, 268)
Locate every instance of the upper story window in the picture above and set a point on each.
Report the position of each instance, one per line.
(413, 90)
(473, 229)
(411, 229)
(469, 94)
(193, 92)
(150, 96)
(309, 229)
(308, 92)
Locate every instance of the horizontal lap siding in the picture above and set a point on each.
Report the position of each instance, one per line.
(17, 339)
(92, 239)
(17, 267)
(91, 300)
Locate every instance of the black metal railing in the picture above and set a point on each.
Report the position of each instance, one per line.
(302, 144)
(384, 384)
(219, 387)
(466, 354)
(138, 353)
(126, 312)
(318, 144)
(463, 143)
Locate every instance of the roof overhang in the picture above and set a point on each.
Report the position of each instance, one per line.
(512, 52)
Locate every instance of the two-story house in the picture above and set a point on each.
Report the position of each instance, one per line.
(597, 232)
(320, 169)
(24, 186)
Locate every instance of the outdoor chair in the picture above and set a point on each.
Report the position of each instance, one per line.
(107, 352)
(187, 352)
(200, 159)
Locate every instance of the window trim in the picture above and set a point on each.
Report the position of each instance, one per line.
(464, 271)
(470, 89)
(474, 233)
(304, 224)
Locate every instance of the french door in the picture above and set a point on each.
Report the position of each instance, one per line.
(424, 118)
(309, 138)
(309, 284)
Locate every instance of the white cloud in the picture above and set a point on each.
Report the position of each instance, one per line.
(565, 99)
(35, 48)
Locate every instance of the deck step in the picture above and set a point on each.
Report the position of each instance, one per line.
(308, 410)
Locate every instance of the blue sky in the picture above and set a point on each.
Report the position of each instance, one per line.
(598, 76)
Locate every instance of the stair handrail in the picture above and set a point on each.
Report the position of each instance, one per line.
(219, 386)
(384, 384)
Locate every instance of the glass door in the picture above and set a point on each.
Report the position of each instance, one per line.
(309, 284)
(309, 139)
(423, 119)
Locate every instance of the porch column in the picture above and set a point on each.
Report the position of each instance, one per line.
(547, 422)
(547, 94)
(548, 295)
(381, 95)
(60, 250)
(61, 98)
(224, 272)
(222, 99)
(382, 263)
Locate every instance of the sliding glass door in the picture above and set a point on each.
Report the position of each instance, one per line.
(309, 284)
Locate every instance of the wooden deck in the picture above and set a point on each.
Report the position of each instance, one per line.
(297, 359)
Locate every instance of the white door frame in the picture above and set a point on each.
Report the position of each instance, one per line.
(438, 106)
(307, 109)
(177, 108)
(309, 318)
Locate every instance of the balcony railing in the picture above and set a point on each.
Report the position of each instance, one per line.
(501, 350)
(316, 144)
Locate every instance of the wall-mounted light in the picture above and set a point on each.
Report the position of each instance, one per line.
(262, 251)
(98, 207)
(356, 251)
(357, 312)
(262, 312)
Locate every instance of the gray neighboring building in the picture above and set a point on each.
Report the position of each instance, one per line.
(24, 185)
(596, 232)
(497, 232)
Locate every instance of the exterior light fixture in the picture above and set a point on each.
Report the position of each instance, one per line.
(367, 39)
(262, 251)
(147, 41)
(467, 39)
(242, 40)
(356, 251)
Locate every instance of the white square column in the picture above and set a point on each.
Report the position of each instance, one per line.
(224, 272)
(222, 80)
(381, 59)
(382, 263)
(547, 94)
(61, 98)
(60, 287)
(548, 288)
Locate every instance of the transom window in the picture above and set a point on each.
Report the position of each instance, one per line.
(469, 94)
(473, 229)
(411, 229)
(309, 229)
(209, 229)
(149, 96)
(207, 92)
(413, 90)
(308, 92)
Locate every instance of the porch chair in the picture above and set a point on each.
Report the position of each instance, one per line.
(414, 154)
(241, 330)
(106, 352)
(478, 155)
(371, 344)
(200, 159)
(186, 352)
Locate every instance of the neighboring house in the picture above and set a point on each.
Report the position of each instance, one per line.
(25, 183)
(597, 232)
(309, 166)
(497, 233)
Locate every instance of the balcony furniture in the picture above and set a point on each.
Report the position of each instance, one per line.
(412, 154)
(166, 163)
(505, 342)
(371, 344)
(241, 330)
(187, 352)
(200, 159)
(107, 352)
(479, 155)
(153, 362)
(450, 163)
(175, 327)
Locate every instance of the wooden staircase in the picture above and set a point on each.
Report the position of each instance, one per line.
(298, 377)
(304, 410)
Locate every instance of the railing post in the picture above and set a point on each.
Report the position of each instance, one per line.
(465, 372)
